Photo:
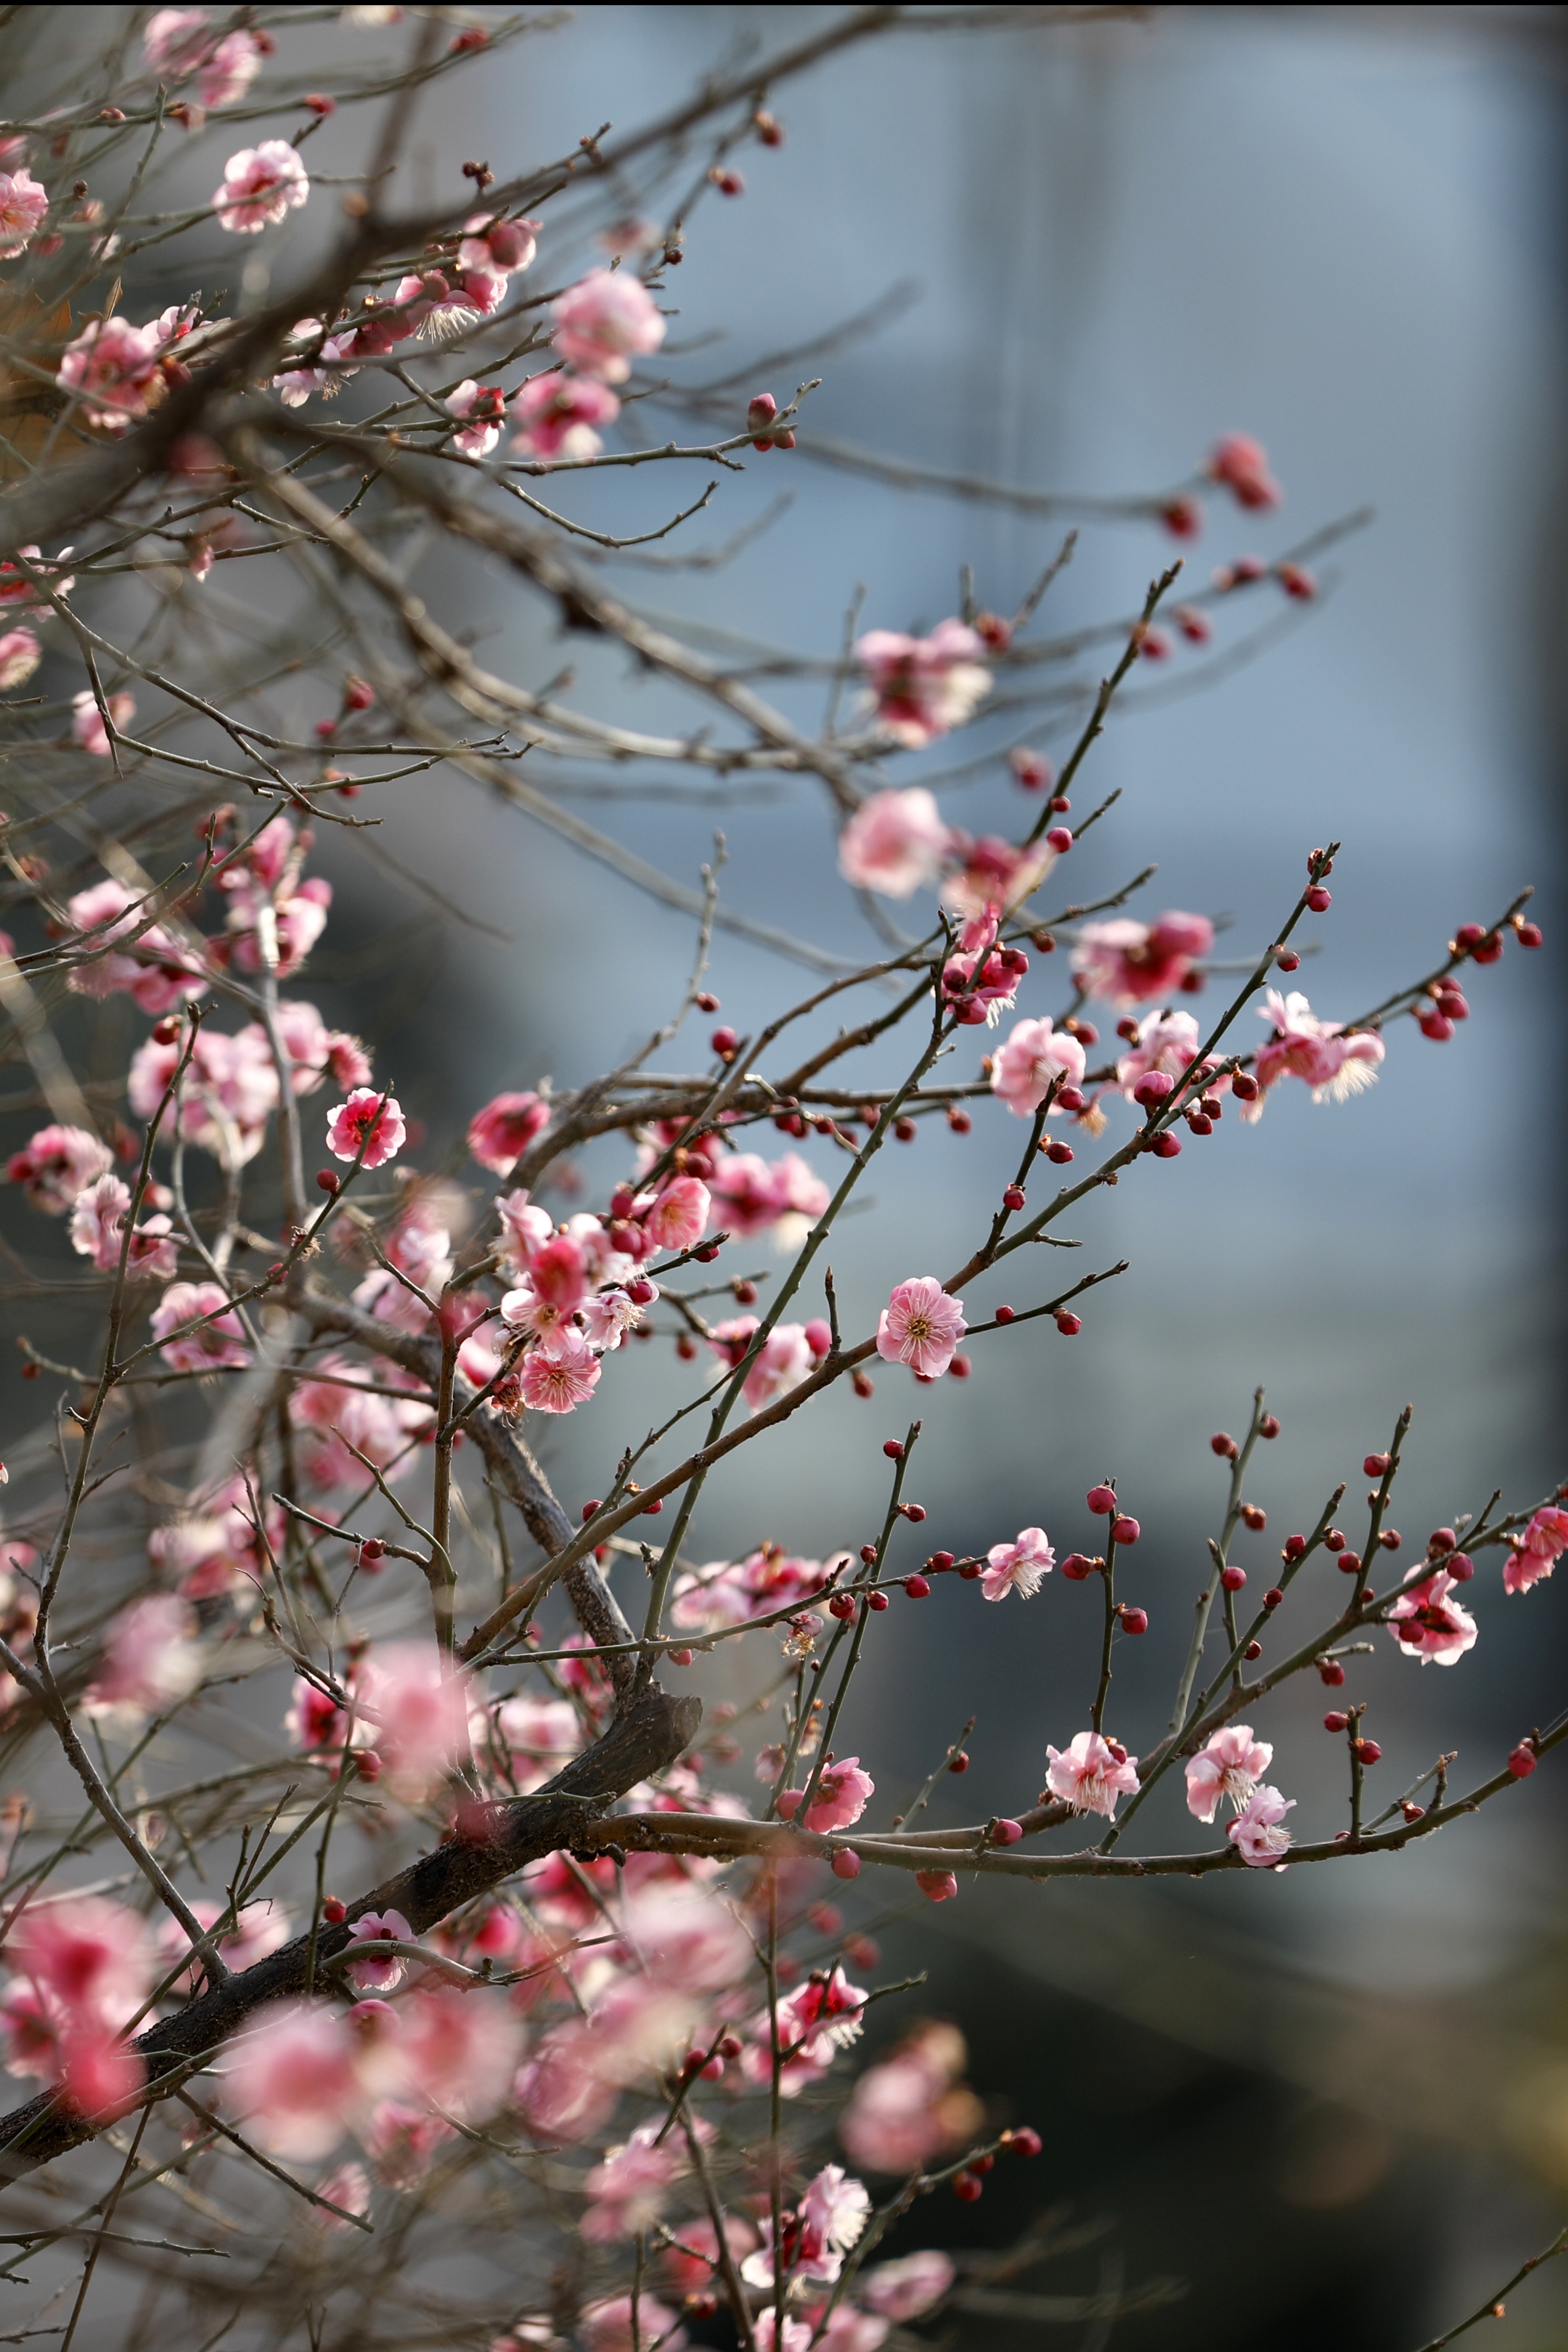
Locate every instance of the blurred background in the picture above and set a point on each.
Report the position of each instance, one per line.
(1334, 2103)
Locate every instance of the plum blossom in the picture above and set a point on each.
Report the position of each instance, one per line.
(610, 1314)
(150, 1658)
(274, 917)
(88, 727)
(23, 204)
(833, 2215)
(913, 2105)
(213, 1548)
(316, 1052)
(1017, 1566)
(1241, 464)
(481, 407)
(1333, 1065)
(607, 2326)
(151, 966)
(1231, 1765)
(84, 1968)
(849, 2330)
(55, 1165)
(324, 371)
(178, 43)
(783, 1362)
(993, 876)
(895, 843)
(910, 2287)
(1033, 1058)
(1534, 1554)
(678, 1217)
(558, 417)
(112, 366)
(456, 2049)
(296, 2079)
(229, 1090)
(631, 2188)
(922, 687)
(981, 982)
(500, 247)
(502, 1132)
(1166, 1042)
(1431, 1625)
(214, 1344)
(539, 1736)
(348, 2187)
(1127, 962)
(1090, 1773)
(379, 1974)
(843, 1792)
(419, 1716)
(369, 1126)
(401, 2141)
(605, 321)
(816, 2021)
(755, 1194)
(98, 1230)
(260, 185)
(561, 1375)
(333, 1416)
(1259, 1832)
(20, 654)
(921, 1326)
(17, 592)
(259, 1929)
(726, 1594)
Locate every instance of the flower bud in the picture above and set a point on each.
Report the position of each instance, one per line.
(938, 1886)
(1233, 1578)
(1076, 1567)
(820, 1337)
(1069, 1326)
(1524, 1760)
(1331, 1672)
(1243, 1087)
(1273, 1597)
(1151, 1089)
(1366, 1751)
(1350, 1563)
(1460, 1566)
(1125, 1530)
(1006, 1832)
(1254, 1517)
(1319, 900)
(1101, 1501)
(1226, 1447)
(1133, 1620)
(845, 1863)
(1335, 1721)
(1060, 838)
(1293, 1547)
(917, 1587)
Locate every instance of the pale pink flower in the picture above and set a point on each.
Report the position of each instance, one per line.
(561, 2091)
(331, 1416)
(689, 1940)
(23, 203)
(605, 321)
(607, 2326)
(562, 1376)
(150, 1658)
(17, 592)
(316, 1052)
(797, 2333)
(754, 1194)
(1031, 1061)
(20, 654)
(370, 1123)
(1319, 1052)
(538, 1735)
(525, 1228)
(610, 1314)
(842, 1795)
(848, 2330)
(259, 1929)
(293, 2079)
(458, 2050)
(1431, 1625)
(401, 2141)
(347, 2187)
(481, 407)
(419, 1715)
(228, 73)
(895, 843)
(909, 2288)
(114, 366)
(921, 1326)
(1230, 1766)
(385, 1973)
(502, 1132)
(922, 687)
(726, 1594)
(297, 382)
(559, 416)
(1166, 1042)
(214, 1344)
(631, 2188)
(498, 247)
(87, 720)
(213, 1548)
(1259, 1832)
(678, 1217)
(995, 878)
(912, 2107)
(783, 1362)
(152, 966)
(833, 2215)
(260, 185)
(1017, 1566)
(1090, 1773)
(179, 42)
(1242, 464)
(1534, 1555)
(57, 1164)
(1127, 962)
(91, 1964)
(98, 1230)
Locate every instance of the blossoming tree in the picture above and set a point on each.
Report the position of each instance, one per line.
(582, 2003)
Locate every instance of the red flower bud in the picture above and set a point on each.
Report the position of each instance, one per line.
(1233, 1578)
(1125, 1530)
(1524, 1760)
(1101, 1501)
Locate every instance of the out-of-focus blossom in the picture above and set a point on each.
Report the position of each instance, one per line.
(993, 876)
(1017, 1566)
(23, 204)
(113, 367)
(213, 1548)
(368, 1123)
(502, 1132)
(295, 2079)
(1242, 464)
(480, 407)
(333, 1416)
(214, 1344)
(1319, 1052)
(98, 1230)
(1127, 962)
(498, 247)
(1259, 1832)
(605, 321)
(559, 416)
(1429, 1624)
(1090, 1773)
(144, 959)
(275, 917)
(1033, 1059)
(418, 1714)
(88, 727)
(1230, 1766)
(150, 1658)
(1166, 1042)
(323, 371)
(86, 1966)
(20, 654)
(922, 687)
(178, 42)
(726, 1594)
(921, 1326)
(783, 1360)
(539, 1736)
(55, 1165)
(17, 593)
(631, 2188)
(1535, 1554)
(910, 2287)
(261, 185)
(348, 2187)
(895, 843)
(754, 1194)
(607, 2326)
(913, 2105)
(259, 1929)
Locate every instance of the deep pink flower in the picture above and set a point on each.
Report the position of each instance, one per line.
(895, 843)
(816, 2021)
(1128, 963)
(1319, 1052)
(57, 1164)
(678, 1218)
(1535, 1555)
(605, 321)
(331, 1416)
(1429, 1625)
(1231, 1765)
(89, 1964)
(213, 1345)
(842, 1795)
(1017, 1566)
(562, 1376)
(559, 416)
(525, 1227)
(482, 407)
(367, 1121)
(754, 1194)
(97, 1229)
(1259, 1831)
(921, 1326)
(23, 203)
(385, 1973)
(1242, 464)
(1090, 1773)
(18, 592)
(294, 2079)
(922, 687)
(502, 1132)
(114, 366)
(783, 1362)
(150, 1657)
(20, 654)
(1023, 1069)
(260, 185)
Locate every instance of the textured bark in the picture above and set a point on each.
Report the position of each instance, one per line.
(499, 1839)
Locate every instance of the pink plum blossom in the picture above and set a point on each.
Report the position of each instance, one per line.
(993, 876)
(525, 1228)
(1127, 962)
(88, 727)
(368, 1127)
(294, 2079)
(1333, 1065)
(922, 687)
(500, 247)
(23, 204)
(921, 1326)
(17, 592)
(607, 2326)
(605, 321)
(214, 1344)
(783, 1362)
(610, 1314)
(213, 1548)
(152, 966)
(419, 1715)
(909, 2288)
(726, 1594)
(842, 1795)
(755, 1194)
(112, 366)
(1536, 1552)
(1230, 1766)
(1259, 1832)
(55, 1165)
(689, 1938)
(631, 2188)
(98, 1232)
(678, 1217)
(1429, 1624)
(1017, 1566)
(482, 406)
(333, 1416)
(849, 2330)
(297, 382)
(1090, 1773)
(348, 2187)
(562, 1376)
(1167, 1042)
(815, 2021)
(502, 1132)
(260, 185)
(833, 2215)
(259, 1929)
(981, 982)
(88, 1965)
(230, 1087)
(316, 1052)
(558, 417)
(401, 2141)
(457, 2050)
(379, 1974)
(150, 1658)
(1031, 1060)
(178, 43)
(895, 843)
(912, 2106)
(20, 654)
(539, 1736)
(1242, 464)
